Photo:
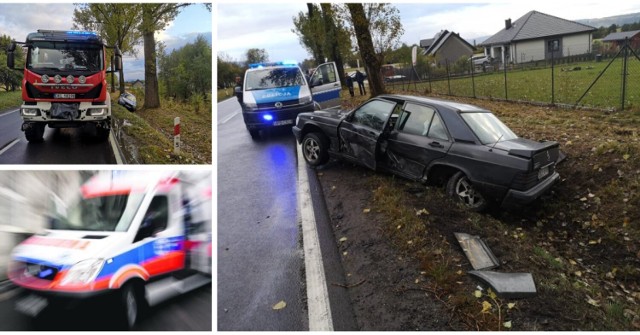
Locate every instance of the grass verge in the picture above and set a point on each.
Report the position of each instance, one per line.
(10, 99)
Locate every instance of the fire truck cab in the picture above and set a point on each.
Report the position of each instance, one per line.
(136, 239)
(64, 83)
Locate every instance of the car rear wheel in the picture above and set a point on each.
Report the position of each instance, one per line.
(460, 188)
(315, 149)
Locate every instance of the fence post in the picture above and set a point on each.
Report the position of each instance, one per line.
(504, 65)
(176, 135)
(552, 80)
(448, 75)
(429, 78)
(624, 69)
(473, 82)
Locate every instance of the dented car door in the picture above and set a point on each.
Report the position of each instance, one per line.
(419, 137)
(359, 134)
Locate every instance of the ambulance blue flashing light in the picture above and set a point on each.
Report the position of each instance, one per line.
(290, 63)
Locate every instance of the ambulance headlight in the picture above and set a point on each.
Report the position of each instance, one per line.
(83, 272)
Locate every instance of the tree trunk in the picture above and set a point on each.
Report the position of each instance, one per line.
(151, 94)
(331, 39)
(371, 61)
(318, 55)
(121, 80)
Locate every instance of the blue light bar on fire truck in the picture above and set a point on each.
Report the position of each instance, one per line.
(281, 63)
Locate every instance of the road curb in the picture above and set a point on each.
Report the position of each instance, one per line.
(115, 146)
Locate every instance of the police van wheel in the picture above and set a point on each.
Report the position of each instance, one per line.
(130, 303)
(35, 132)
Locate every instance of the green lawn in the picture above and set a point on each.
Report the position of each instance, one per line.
(534, 85)
(10, 99)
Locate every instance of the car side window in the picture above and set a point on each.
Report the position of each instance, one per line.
(437, 130)
(416, 119)
(374, 114)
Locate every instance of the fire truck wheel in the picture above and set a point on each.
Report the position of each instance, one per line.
(35, 132)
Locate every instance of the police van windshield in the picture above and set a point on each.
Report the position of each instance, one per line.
(61, 56)
(274, 78)
(101, 213)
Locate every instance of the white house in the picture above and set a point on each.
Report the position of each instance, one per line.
(539, 36)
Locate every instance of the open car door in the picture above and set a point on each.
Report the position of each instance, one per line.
(325, 85)
(360, 134)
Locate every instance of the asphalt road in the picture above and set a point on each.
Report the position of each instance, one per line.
(260, 252)
(260, 258)
(192, 311)
(60, 146)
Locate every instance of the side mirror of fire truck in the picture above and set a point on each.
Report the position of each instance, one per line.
(10, 55)
(118, 59)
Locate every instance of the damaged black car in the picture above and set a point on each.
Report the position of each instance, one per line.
(466, 148)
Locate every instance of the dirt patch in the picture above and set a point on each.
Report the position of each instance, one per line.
(580, 242)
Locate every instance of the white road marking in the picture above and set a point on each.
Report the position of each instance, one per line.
(8, 146)
(317, 292)
(7, 113)
(226, 119)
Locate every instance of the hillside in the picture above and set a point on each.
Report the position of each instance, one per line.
(607, 21)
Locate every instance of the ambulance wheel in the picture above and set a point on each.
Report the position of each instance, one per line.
(131, 302)
(35, 132)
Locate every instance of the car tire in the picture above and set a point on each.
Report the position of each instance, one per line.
(35, 132)
(459, 187)
(315, 148)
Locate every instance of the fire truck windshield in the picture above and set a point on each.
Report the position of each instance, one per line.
(62, 56)
(102, 213)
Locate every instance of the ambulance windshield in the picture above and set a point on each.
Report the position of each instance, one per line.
(100, 213)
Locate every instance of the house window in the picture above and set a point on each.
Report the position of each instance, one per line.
(553, 45)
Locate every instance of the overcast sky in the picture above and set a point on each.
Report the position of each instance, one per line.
(268, 25)
(19, 19)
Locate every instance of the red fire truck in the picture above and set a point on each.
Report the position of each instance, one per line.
(64, 82)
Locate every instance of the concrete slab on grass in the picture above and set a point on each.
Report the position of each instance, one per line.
(508, 285)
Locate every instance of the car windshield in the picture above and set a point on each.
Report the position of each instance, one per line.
(101, 213)
(488, 127)
(62, 56)
(274, 78)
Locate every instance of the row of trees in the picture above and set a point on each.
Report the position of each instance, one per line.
(9, 79)
(126, 25)
(336, 31)
(187, 71)
(604, 31)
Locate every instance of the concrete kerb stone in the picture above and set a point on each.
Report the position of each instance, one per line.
(508, 285)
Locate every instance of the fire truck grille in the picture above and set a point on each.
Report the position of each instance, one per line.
(34, 93)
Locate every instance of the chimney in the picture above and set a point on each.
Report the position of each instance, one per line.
(507, 24)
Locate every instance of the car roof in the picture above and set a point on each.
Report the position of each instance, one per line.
(438, 103)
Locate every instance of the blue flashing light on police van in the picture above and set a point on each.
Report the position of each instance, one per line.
(280, 63)
(267, 117)
(80, 33)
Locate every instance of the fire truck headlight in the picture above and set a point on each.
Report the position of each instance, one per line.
(82, 79)
(57, 78)
(97, 112)
(30, 111)
(83, 272)
(44, 78)
(70, 79)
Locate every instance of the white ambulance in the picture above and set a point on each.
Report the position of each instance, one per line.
(135, 238)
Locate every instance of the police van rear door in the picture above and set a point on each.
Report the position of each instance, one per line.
(325, 85)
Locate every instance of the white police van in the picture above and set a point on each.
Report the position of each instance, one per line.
(134, 239)
(273, 94)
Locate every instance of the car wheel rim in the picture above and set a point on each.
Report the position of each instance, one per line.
(467, 194)
(131, 307)
(311, 149)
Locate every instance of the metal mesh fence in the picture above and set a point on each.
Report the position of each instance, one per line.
(604, 81)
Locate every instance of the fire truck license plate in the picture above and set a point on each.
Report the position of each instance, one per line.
(64, 96)
(31, 305)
